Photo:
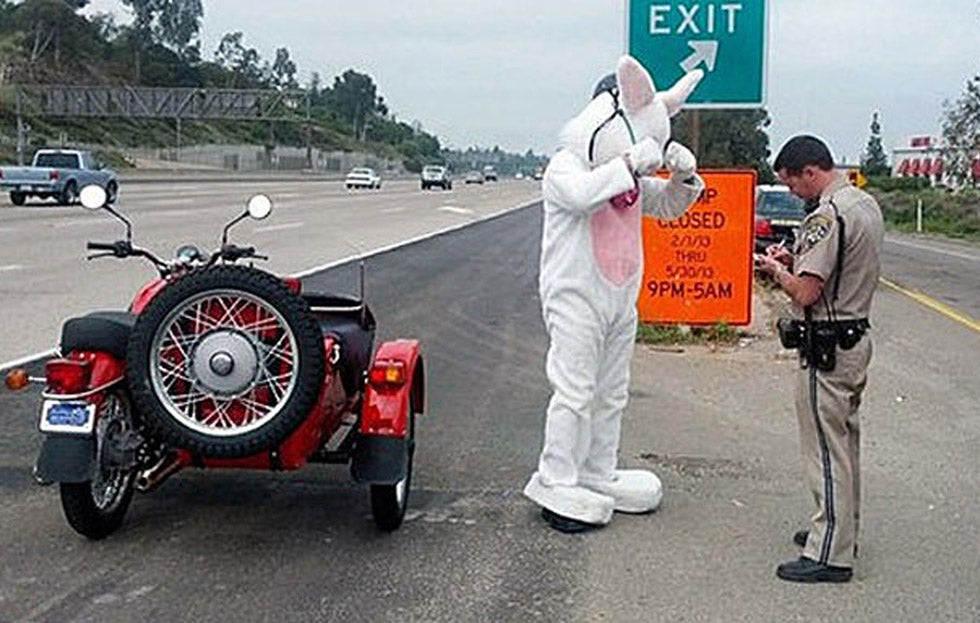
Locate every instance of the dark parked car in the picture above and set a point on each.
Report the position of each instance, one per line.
(778, 215)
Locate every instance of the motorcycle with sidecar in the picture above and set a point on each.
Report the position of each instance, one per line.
(218, 364)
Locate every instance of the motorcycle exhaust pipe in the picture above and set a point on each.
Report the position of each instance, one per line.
(149, 479)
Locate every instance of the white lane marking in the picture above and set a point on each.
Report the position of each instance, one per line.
(10, 267)
(392, 210)
(455, 210)
(411, 241)
(24, 360)
(964, 256)
(280, 227)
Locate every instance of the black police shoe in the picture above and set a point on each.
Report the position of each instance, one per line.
(800, 537)
(566, 524)
(806, 570)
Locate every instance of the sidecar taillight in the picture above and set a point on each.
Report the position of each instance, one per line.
(295, 285)
(390, 373)
(67, 376)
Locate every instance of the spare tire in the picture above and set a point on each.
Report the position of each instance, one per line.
(225, 362)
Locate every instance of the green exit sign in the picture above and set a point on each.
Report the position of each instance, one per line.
(725, 38)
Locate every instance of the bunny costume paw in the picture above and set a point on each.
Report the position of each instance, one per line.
(632, 490)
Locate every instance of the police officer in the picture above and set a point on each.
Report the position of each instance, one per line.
(830, 275)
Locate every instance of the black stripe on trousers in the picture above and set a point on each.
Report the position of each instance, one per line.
(828, 475)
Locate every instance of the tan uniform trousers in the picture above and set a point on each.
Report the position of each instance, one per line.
(827, 409)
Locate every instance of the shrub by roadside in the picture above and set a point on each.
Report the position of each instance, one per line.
(672, 334)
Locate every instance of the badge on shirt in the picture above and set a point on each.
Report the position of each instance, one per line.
(816, 229)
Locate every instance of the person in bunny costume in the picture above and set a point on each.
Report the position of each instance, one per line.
(595, 190)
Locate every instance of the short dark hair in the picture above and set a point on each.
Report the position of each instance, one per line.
(801, 151)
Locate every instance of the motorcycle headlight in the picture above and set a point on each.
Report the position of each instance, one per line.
(188, 254)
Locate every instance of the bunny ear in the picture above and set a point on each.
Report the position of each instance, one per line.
(635, 85)
(675, 97)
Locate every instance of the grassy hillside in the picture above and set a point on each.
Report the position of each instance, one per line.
(943, 212)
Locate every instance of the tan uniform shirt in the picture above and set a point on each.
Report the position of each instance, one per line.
(819, 239)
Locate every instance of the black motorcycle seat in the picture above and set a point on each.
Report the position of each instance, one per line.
(99, 330)
(341, 317)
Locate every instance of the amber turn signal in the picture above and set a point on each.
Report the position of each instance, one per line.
(387, 373)
(17, 379)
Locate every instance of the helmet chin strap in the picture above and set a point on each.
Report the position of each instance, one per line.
(617, 112)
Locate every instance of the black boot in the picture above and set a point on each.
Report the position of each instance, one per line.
(806, 570)
(566, 524)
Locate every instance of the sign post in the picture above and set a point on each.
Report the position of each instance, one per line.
(698, 268)
(725, 38)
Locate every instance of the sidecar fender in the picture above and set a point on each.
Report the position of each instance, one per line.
(66, 458)
(384, 443)
(396, 380)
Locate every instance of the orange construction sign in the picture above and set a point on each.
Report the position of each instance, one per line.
(698, 268)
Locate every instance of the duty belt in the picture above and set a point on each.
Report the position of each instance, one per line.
(843, 326)
(818, 340)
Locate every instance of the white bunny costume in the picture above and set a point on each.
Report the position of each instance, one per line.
(595, 189)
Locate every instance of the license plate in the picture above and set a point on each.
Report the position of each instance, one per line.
(26, 187)
(67, 417)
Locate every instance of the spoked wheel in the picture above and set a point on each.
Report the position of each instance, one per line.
(225, 362)
(390, 501)
(96, 508)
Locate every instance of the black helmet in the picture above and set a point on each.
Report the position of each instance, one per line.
(608, 83)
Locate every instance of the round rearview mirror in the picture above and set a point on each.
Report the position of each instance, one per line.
(93, 197)
(259, 207)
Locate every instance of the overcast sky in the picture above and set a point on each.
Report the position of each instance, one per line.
(510, 72)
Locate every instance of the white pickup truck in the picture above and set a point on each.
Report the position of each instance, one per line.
(58, 174)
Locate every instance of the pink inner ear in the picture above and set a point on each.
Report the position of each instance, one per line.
(635, 85)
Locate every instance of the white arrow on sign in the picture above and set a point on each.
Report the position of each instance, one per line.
(704, 51)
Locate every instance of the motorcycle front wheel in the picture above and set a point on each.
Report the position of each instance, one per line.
(96, 508)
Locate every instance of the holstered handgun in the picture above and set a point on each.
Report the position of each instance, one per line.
(792, 333)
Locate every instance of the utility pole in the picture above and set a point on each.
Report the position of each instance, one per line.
(21, 132)
(309, 135)
(696, 131)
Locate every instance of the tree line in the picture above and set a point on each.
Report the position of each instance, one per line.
(51, 42)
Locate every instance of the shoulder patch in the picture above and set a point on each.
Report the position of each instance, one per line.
(816, 228)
